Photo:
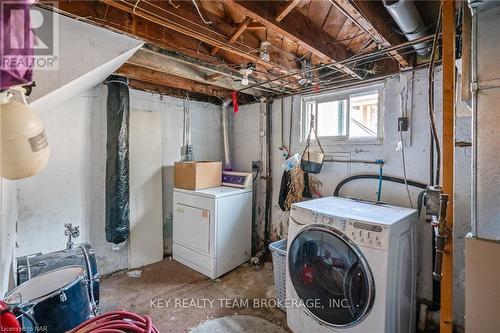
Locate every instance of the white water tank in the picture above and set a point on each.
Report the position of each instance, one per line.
(24, 147)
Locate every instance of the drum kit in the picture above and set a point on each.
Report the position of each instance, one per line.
(56, 291)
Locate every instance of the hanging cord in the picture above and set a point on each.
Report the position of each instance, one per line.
(199, 13)
(431, 98)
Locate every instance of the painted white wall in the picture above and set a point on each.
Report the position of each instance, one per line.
(72, 187)
(8, 217)
(68, 189)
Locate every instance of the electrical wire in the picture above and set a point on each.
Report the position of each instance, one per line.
(199, 13)
(357, 57)
(431, 98)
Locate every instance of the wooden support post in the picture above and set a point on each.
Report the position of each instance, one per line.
(448, 36)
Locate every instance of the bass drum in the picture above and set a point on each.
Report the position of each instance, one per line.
(83, 255)
(58, 301)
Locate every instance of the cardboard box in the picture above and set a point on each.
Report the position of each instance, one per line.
(197, 175)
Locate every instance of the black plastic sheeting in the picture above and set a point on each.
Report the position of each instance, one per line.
(117, 161)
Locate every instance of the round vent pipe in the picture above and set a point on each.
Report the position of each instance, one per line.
(409, 21)
(226, 134)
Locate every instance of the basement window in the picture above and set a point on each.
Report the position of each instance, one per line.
(351, 116)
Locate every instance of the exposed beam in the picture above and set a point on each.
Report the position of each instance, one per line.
(165, 64)
(296, 27)
(369, 16)
(213, 77)
(236, 34)
(157, 77)
(256, 26)
(287, 9)
(181, 24)
(168, 91)
(448, 47)
(177, 46)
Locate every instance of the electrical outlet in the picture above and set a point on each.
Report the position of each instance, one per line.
(256, 165)
(402, 124)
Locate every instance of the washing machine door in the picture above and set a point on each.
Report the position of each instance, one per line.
(330, 276)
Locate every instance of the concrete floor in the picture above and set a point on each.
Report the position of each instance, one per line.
(178, 298)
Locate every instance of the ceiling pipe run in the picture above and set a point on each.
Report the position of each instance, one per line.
(409, 21)
(225, 134)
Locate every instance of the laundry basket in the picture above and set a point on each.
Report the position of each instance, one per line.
(278, 250)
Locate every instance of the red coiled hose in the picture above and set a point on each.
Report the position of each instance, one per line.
(117, 322)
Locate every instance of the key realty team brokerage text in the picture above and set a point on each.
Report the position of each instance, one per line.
(238, 303)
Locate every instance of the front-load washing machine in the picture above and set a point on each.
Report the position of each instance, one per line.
(351, 267)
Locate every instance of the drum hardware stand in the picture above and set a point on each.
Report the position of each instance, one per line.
(441, 235)
(71, 232)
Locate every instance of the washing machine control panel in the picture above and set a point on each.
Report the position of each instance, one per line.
(362, 233)
(368, 234)
(333, 221)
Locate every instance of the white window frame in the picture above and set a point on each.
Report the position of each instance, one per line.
(337, 96)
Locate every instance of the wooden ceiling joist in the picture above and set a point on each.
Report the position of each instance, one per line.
(256, 26)
(157, 77)
(236, 34)
(372, 18)
(169, 91)
(287, 9)
(171, 66)
(296, 27)
(188, 28)
(159, 37)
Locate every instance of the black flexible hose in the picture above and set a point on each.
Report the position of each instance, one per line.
(377, 177)
(269, 181)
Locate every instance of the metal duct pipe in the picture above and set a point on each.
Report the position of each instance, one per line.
(474, 6)
(409, 21)
(225, 134)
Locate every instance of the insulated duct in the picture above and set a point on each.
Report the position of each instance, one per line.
(117, 161)
(409, 21)
(225, 134)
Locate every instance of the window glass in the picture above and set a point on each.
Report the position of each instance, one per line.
(331, 119)
(363, 120)
(344, 115)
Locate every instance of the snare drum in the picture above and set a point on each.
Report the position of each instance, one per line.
(58, 300)
(82, 255)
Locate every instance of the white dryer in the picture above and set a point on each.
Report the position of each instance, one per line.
(351, 267)
(212, 229)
